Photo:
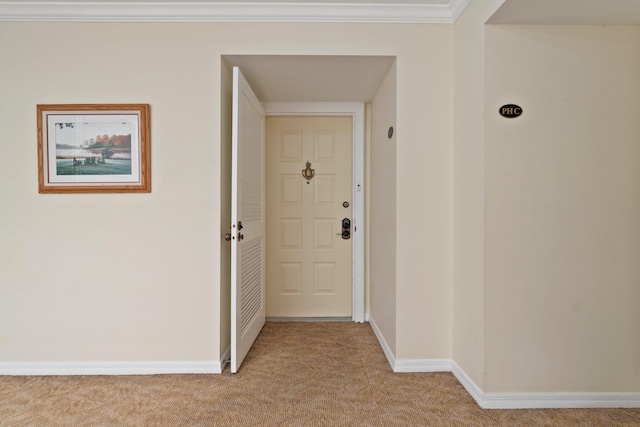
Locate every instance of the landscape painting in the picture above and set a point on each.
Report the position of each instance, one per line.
(93, 148)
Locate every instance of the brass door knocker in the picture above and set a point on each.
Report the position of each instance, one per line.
(308, 173)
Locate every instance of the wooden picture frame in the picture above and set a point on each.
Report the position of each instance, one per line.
(94, 148)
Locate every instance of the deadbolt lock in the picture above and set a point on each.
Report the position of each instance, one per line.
(346, 229)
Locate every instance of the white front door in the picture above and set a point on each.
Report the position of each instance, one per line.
(308, 262)
(247, 220)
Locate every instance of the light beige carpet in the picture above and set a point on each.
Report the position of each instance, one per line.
(297, 374)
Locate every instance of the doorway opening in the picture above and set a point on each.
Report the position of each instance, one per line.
(307, 86)
(353, 206)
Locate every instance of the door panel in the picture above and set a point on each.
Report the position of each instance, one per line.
(247, 216)
(308, 263)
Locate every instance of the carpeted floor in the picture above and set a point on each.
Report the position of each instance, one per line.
(297, 374)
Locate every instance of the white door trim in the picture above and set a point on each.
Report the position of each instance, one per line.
(356, 111)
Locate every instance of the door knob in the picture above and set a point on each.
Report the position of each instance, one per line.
(227, 237)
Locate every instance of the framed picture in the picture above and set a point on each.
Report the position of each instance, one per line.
(102, 148)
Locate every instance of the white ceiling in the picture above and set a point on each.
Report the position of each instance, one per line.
(568, 12)
(277, 78)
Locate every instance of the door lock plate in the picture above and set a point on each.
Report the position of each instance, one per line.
(346, 229)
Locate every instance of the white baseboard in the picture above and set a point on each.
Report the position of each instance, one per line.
(422, 365)
(109, 368)
(544, 400)
(559, 400)
(507, 400)
(408, 365)
(308, 319)
(466, 381)
(383, 343)
(490, 400)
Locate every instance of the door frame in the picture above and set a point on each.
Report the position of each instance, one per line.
(355, 110)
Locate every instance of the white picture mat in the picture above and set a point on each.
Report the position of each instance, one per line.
(86, 126)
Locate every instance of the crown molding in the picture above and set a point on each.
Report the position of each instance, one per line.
(456, 7)
(227, 11)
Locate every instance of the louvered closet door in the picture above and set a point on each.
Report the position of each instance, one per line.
(247, 216)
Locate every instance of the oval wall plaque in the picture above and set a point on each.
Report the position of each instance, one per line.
(511, 111)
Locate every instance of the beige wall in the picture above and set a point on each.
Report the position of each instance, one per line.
(116, 277)
(545, 287)
(139, 277)
(424, 206)
(526, 275)
(468, 204)
(382, 220)
(562, 209)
